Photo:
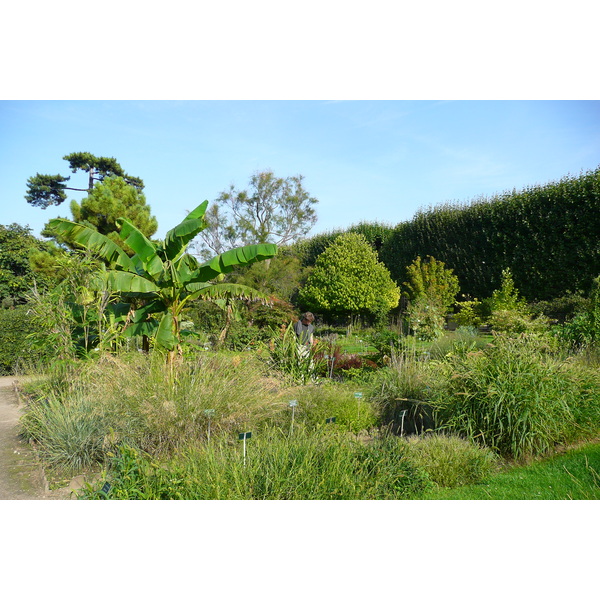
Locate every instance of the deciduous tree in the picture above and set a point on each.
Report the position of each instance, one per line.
(17, 244)
(348, 280)
(273, 210)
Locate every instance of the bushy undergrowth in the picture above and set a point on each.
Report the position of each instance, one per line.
(308, 465)
(317, 403)
(82, 410)
(449, 460)
(138, 400)
(516, 396)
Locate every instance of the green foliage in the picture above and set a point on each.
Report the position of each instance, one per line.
(308, 250)
(561, 309)
(514, 396)
(68, 435)
(162, 273)
(17, 352)
(280, 276)
(309, 465)
(510, 313)
(110, 200)
(286, 354)
(431, 289)
(547, 235)
(404, 385)
(317, 403)
(17, 276)
(572, 475)
(79, 314)
(274, 210)
(470, 313)
(349, 280)
(431, 279)
(426, 319)
(48, 190)
(450, 461)
(584, 328)
(507, 296)
(134, 399)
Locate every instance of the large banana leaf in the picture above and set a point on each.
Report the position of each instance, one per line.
(178, 238)
(225, 290)
(130, 283)
(186, 268)
(90, 239)
(142, 246)
(165, 336)
(143, 313)
(144, 328)
(226, 262)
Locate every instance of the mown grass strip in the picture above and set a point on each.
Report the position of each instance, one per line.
(574, 475)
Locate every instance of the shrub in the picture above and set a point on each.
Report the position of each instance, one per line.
(69, 435)
(448, 460)
(584, 329)
(514, 396)
(469, 313)
(403, 386)
(17, 350)
(316, 403)
(285, 354)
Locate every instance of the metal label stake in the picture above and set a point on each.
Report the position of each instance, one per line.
(293, 404)
(402, 414)
(358, 396)
(209, 412)
(245, 436)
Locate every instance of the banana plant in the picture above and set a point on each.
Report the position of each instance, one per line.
(161, 274)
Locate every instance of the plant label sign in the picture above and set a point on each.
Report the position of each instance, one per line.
(245, 436)
(293, 403)
(106, 487)
(209, 412)
(358, 395)
(330, 420)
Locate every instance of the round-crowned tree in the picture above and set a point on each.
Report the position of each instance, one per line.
(348, 280)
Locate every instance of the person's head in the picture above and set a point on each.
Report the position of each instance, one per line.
(308, 317)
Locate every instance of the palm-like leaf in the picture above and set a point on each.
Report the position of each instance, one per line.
(89, 238)
(144, 249)
(130, 283)
(178, 238)
(227, 261)
(217, 291)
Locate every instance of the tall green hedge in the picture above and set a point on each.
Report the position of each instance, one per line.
(308, 250)
(549, 236)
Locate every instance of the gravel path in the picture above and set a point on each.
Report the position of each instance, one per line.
(21, 477)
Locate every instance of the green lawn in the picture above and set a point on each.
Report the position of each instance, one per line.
(574, 475)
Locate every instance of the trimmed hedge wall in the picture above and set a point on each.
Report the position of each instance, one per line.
(548, 235)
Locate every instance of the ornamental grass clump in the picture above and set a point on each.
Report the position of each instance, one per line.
(514, 397)
(317, 403)
(139, 400)
(449, 460)
(67, 435)
(308, 465)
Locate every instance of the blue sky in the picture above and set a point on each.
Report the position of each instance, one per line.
(363, 160)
